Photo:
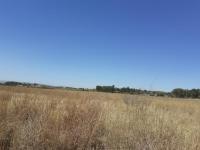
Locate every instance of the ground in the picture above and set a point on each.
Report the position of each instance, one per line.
(32, 118)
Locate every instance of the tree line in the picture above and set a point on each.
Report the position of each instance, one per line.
(129, 90)
(185, 93)
(179, 93)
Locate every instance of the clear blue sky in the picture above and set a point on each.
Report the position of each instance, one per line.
(148, 44)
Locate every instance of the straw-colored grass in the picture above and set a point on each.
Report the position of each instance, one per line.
(39, 119)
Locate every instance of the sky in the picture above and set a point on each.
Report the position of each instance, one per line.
(147, 44)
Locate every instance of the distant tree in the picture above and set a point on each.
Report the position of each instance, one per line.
(12, 83)
(106, 88)
(98, 88)
(181, 93)
(194, 93)
(160, 94)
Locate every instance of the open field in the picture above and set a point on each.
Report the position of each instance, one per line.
(38, 119)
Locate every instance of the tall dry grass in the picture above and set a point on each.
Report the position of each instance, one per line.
(59, 119)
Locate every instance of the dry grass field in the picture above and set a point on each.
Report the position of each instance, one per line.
(41, 119)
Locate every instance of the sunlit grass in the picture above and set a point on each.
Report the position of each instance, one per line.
(59, 119)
